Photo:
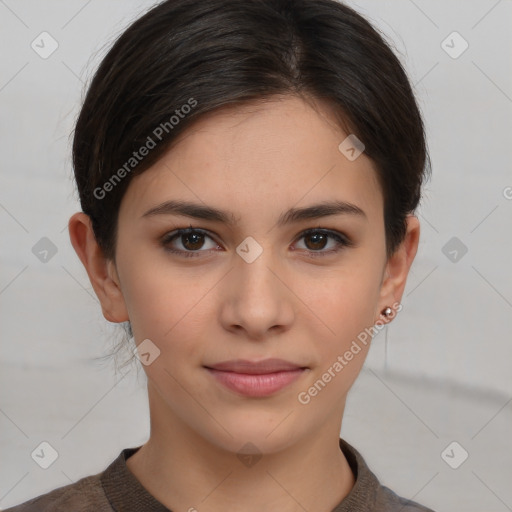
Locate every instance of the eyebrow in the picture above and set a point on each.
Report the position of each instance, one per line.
(293, 215)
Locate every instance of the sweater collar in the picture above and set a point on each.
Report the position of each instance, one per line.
(126, 494)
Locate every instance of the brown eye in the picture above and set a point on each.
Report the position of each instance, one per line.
(190, 242)
(318, 239)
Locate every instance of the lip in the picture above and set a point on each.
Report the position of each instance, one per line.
(262, 367)
(256, 378)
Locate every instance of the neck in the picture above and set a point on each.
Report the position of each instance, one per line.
(185, 471)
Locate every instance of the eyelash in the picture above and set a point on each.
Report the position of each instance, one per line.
(342, 241)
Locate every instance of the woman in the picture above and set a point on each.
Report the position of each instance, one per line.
(248, 174)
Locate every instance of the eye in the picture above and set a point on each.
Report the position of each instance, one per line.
(317, 239)
(192, 242)
(190, 239)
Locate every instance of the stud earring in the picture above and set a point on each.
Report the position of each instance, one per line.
(386, 312)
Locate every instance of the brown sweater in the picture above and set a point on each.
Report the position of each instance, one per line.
(117, 489)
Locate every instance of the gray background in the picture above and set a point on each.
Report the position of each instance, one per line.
(439, 373)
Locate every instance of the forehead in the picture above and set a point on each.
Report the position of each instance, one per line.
(258, 160)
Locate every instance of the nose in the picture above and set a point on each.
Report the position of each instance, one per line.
(257, 301)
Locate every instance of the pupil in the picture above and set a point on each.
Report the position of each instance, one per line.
(318, 237)
(196, 240)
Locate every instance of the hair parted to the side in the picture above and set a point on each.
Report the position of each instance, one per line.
(225, 52)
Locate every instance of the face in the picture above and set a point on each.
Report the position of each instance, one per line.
(253, 279)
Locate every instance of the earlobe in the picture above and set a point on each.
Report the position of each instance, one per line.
(101, 271)
(398, 266)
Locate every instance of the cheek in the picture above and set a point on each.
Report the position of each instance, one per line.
(341, 302)
(166, 304)
(345, 308)
(344, 305)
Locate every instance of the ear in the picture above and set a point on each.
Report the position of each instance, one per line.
(397, 269)
(101, 271)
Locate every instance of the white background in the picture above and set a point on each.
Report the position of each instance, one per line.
(441, 372)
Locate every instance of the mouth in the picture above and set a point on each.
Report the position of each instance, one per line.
(256, 379)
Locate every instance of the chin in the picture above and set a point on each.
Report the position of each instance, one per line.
(258, 434)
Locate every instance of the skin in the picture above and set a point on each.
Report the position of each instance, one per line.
(255, 162)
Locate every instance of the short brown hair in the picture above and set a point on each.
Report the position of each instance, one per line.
(226, 52)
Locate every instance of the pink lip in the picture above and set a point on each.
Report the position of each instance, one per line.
(256, 379)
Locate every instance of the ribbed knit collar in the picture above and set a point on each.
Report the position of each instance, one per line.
(126, 494)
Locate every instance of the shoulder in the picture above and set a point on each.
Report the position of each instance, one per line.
(84, 495)
(368, 494)
(387, 500)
